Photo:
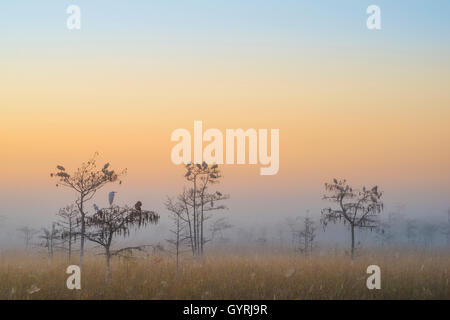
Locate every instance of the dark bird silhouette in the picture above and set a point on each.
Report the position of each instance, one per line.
(138, 206)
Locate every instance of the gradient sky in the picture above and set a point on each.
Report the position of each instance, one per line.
(369, 106)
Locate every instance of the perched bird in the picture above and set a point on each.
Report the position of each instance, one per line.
(111, 197)
(60, 168)
(138, 206)
(212, 203)
(96, 208)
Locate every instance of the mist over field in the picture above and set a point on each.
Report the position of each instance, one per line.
(244, 232)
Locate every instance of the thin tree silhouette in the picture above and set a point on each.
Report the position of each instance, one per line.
(358, 208)
(86, 181)
(108, 223)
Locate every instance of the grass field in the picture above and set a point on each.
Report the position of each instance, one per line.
(246, 275)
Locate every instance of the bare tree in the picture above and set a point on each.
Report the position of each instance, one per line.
(27, 234)
(411, 231)
(218, 227)
(428, 231)
(107, 223)
(68, 225)
(446, 228)
(358, 208)
(197, 202)
(307, 236)
(86, 181)
(201, 175)
(384, 233)
(179, 232)
(384, 230)
(50, 239)
(303, 233)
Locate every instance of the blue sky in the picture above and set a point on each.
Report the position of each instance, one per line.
(221, 20)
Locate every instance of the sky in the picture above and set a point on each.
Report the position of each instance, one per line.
(371, 106)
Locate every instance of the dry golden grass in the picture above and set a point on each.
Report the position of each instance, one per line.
(281, 275)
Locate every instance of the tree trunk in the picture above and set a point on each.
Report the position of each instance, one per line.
(353, 241)
(201, 230)
(70, 240)
(178, 241)
(51, 242)
(306, 246)
(83, 230)
(178, 255)
(108, 266)
(191, 239)
(195, 218)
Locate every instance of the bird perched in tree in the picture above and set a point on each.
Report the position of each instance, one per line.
(138, 206)
(96, 208)
(111, 197)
